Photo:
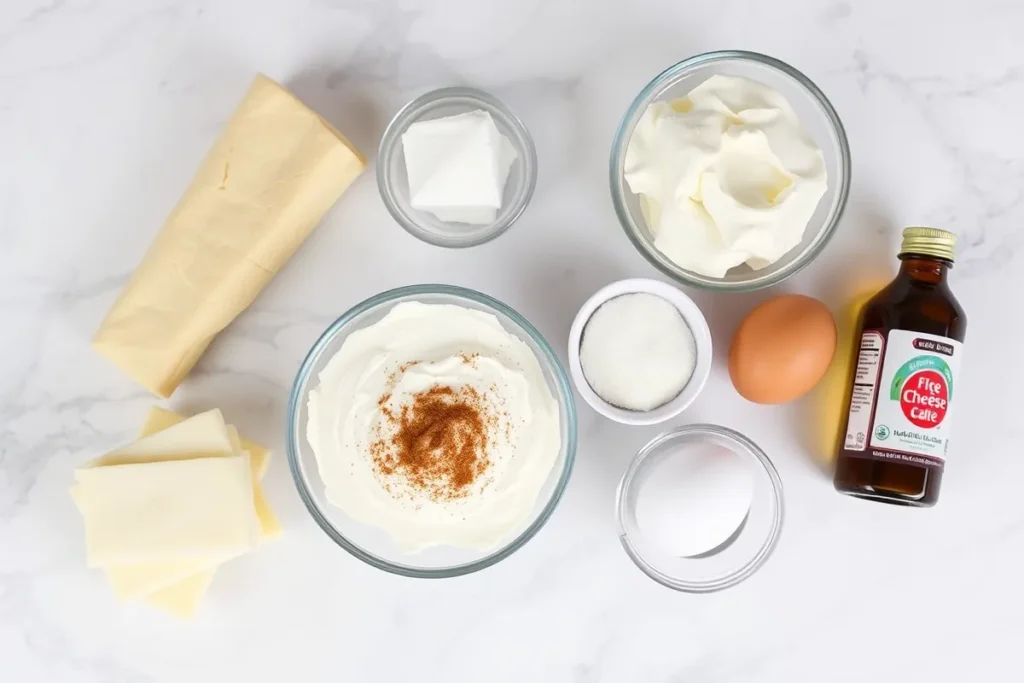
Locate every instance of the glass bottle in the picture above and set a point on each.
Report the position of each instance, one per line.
(894, 441)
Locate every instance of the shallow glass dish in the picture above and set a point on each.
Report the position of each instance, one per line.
(370, 544)
(819, 119)
(736, 559)
(393, 182)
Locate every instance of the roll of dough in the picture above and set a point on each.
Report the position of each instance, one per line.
(273, 173)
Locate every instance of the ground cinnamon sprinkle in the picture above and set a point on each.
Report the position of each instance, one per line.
(439, 442)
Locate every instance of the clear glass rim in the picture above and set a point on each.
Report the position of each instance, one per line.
(389, 146)
(565, 397)
(622, 139)
(744, 446)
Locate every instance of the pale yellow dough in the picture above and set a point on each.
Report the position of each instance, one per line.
(273, 173)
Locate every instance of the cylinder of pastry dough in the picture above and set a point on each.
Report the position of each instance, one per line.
(273, 173)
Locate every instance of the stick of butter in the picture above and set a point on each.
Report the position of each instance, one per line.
(179, 588)
(169, 436)
(159, 421)
(166, 511)
(182, 599)
(273, 173)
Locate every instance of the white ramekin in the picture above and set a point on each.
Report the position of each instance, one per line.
(694, 319)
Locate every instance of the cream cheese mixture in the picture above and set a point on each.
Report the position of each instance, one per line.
(436, 425)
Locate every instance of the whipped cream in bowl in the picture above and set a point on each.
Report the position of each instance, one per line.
(431, 431)
(730, 171)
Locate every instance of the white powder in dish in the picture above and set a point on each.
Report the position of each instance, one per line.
(637, 351)
(691, 502)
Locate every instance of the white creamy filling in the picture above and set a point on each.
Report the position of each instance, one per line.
(414, 348)
(726, 176)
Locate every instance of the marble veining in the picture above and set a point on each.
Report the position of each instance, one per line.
(107, 109)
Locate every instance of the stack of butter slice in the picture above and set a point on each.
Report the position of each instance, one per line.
(162, 513)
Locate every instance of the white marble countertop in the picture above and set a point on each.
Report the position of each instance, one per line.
(107, 108)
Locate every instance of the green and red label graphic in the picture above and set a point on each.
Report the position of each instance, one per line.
(911, 399)
(923, 386)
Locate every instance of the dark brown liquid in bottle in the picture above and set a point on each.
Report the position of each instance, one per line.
(919, 300)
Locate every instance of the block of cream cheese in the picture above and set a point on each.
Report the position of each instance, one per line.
(273, 173)
(457, 167)
(166, 511)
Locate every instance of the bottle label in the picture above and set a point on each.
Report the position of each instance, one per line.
(901, 408)
(865, 383)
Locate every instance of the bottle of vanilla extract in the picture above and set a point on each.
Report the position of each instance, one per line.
(894, 442)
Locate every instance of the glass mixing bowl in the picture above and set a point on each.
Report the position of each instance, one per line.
(741, 554)
(819, 120)
(370, 544)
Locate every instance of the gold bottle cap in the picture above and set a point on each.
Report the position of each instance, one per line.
(929, 242)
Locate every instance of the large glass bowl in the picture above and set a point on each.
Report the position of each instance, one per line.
(370, 544)
(820, 121)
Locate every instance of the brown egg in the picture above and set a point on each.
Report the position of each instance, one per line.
(782, 349)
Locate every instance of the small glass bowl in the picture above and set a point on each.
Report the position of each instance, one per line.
(394, 183)
(735, 560)
(370, 544)
(819, 119)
